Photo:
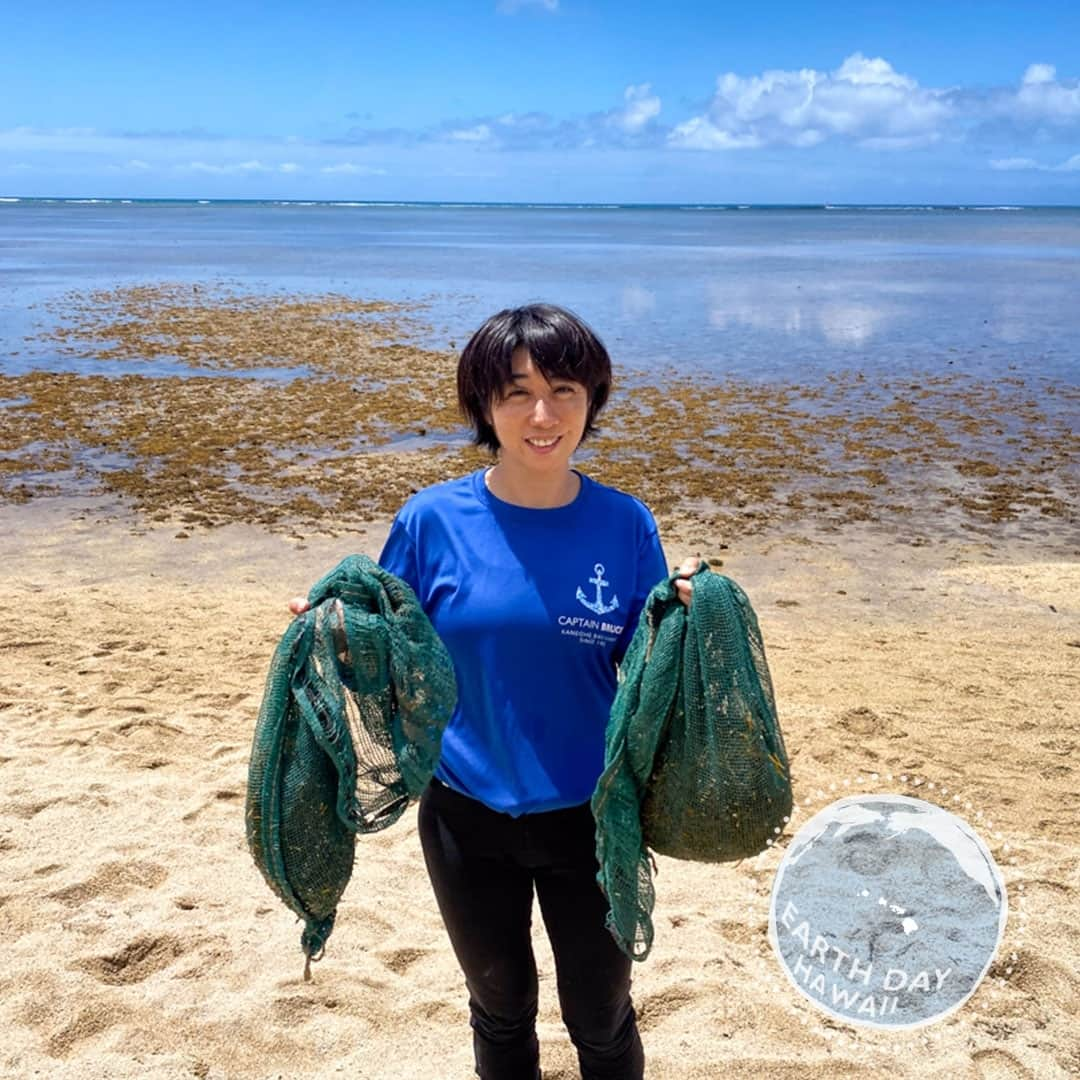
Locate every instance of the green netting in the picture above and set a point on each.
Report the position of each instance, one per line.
(695, 765)
(359, 692)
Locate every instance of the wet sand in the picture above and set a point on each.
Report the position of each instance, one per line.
(925, 626)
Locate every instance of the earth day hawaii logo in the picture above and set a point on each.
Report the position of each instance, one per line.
(887, 911)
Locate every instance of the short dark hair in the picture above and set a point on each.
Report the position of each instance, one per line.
(561, 345)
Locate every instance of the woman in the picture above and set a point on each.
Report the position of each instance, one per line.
(534, 577)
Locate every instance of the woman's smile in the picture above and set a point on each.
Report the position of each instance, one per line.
(542, 444)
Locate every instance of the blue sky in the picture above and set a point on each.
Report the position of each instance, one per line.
(544, 100)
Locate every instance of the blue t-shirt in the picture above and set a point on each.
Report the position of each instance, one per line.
(536, 607)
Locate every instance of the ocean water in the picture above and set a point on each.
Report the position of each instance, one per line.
(759, 293)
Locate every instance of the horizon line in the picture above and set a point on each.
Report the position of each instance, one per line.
(537, 204)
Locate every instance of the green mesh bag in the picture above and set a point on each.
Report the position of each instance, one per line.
(695, 765)
(359, 692)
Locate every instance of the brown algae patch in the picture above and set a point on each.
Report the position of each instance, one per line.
(213, 326)
(212, 450)
(374, 419)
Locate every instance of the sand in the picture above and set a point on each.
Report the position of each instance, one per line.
(140, 940)
(911, 545)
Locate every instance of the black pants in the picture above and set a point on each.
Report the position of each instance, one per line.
(483, 867)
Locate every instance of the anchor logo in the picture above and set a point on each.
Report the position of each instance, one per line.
(598, 606)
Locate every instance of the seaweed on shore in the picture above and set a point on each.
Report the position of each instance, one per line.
(369, 418)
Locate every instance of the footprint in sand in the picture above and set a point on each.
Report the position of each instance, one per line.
(300, 1008)
(127, 727)
(864, 721)
(112, 881)
(443, 1012)
(47, 1008)
(658, 1006)
(998, 1065)
(27, 810)
(136, 961)
(91, 1020)
(733, 930)
(1047, 980)
(400, 960)
(212, 955)
(155, 737)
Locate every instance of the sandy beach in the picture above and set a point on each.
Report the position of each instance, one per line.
(141, 940)
(922, 621)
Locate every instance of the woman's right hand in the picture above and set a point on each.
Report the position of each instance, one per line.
(298, 605)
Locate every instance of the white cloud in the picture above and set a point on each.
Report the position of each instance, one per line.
(479, 133)
(864, 100)
(347, 168)
(529, 130)
(1021, 164)
(1039, 73)
(901, 142)
(701, 134)
(1041, 107)
(1044, 97)
(242, 167)
(859, 70)
(630, 123)
(642, 105)
(1014, 164)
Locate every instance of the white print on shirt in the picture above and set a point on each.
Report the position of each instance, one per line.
(589, 631)
(597, 606)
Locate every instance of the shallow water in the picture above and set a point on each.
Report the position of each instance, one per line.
(770, 294)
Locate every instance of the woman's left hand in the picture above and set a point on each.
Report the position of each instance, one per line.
(685, 589)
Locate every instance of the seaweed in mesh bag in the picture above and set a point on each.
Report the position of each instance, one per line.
(695, 765)
(359, 692)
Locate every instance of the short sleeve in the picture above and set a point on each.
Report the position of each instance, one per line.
(399, 556)
(653, 563)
